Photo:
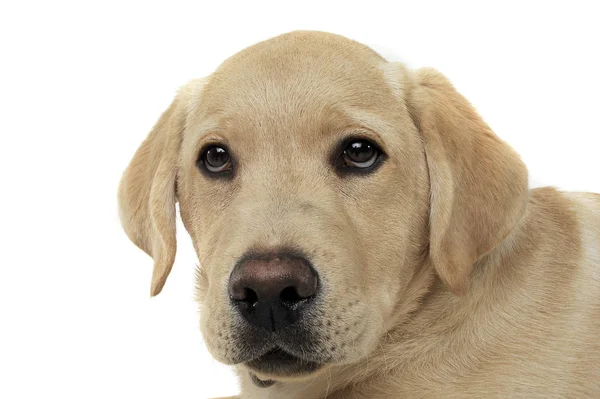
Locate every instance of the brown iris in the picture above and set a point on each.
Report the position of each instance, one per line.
(215, 159)
(360, 154)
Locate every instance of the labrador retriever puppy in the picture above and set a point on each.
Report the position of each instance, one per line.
(362, 233)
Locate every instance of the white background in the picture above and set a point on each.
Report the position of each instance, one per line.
(82, 83)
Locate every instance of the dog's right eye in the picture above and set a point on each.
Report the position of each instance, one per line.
(359, 156)
(215, 159)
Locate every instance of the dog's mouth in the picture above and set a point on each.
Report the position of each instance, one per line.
(279, 363)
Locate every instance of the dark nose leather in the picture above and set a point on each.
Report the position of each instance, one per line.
(272, 291)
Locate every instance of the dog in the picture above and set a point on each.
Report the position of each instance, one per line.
(362, 233)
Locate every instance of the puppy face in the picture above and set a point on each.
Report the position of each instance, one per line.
(322, 162)
(305, 181)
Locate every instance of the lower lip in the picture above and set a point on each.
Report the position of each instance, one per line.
(277, 362)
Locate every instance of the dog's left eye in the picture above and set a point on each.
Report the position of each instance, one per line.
(215, 159)
(360, 154)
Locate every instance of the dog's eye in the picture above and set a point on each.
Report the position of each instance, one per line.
(215, 159)
(360, 154)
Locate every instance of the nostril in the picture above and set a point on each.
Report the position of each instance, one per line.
(250, 296)
(290, 296)
(247, 296)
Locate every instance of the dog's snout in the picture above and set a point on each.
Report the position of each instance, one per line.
(272, 291)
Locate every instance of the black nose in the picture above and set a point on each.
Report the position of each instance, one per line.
(271, 291)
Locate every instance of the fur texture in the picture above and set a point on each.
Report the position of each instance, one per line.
(445, 276)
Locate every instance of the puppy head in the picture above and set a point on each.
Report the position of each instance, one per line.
(321, 187)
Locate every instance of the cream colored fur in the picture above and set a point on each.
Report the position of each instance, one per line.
(447, 276)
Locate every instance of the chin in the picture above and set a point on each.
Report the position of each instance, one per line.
(277, 364)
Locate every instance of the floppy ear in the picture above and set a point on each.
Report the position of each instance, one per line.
(147, 193)
(479, 186)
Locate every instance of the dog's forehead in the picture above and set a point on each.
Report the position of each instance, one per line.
(291, 86)
(322, 52)
(295, 78)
